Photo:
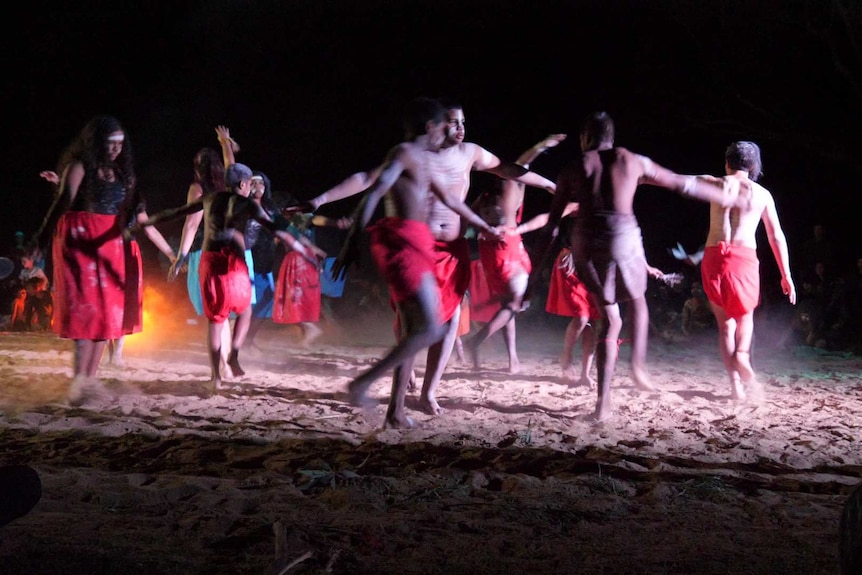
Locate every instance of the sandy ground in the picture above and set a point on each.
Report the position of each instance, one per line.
(281, 474)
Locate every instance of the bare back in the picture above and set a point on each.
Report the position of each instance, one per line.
(224, 219)
(738, 225)
(606, 180)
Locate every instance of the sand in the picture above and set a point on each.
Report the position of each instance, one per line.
(281, 474)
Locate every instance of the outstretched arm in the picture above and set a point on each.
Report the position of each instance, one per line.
(354, 184)
(541, 220)
(67, 190)
(721, 191)
(485, 161)
(538, 149)
(156, 237)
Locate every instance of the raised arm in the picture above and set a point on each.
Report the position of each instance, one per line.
(529, 156)
(229, 147)
(485, 161)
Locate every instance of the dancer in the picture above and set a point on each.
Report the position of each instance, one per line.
(96, 196)
(224, 276)
(606, 240)
(402, 246)
(133, 317)
(731, 271)
(506, 263)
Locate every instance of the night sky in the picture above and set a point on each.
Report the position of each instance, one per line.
(313, 90)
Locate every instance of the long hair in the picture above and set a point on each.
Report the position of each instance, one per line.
(266, 200)
(90, 147)
(209, 171)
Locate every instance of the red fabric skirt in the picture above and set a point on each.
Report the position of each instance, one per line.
(503, 260)
(225, 285)
(297, 291)
(89, 277)
(452, 270)
(731, 278)
(483, 307)
(133, 316)
(567, 294)
(403, 252)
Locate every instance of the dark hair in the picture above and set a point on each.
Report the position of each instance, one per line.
(209, 170)
(745, 156)
(449, 104)
(90, 149)
(266, 200)
(418, 112)
(597, 129)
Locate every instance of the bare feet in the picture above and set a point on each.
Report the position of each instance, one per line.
(398, 422)
(602, 414)
(588, 381)
(411, 383)
(312, 333)
(642, 380)
(569, 372)
(472, 349)
(430, 406)
(83, 389)
(357, 396)
(233, 364)
(514, 365)
(737, 391)
(756, 393)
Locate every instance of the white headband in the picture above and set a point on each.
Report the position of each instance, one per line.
(257, 178)
(119, 138)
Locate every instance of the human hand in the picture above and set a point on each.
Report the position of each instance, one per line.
(300, 208)
(50, 176)
(789, 289)
(348, 255)
(551, 141)
(223, 134)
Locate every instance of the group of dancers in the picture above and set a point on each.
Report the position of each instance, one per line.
(419, 247)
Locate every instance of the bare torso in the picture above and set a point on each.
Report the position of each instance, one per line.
(409, 196)
(224, 219)
(738, 226)
(450, 168)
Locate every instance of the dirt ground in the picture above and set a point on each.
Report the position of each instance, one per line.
(281, 474)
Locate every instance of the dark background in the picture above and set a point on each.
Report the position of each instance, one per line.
(313, 90)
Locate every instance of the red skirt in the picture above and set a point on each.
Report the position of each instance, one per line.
(225, 286)
(483, 307)
(89, 277)
(133, 316)
(297, 291)
(567, 294)
(452, 270)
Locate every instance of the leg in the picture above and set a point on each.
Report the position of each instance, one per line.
(588, 352)
(214, 343)
(420, 321)
(742, 356)
(606, 356)
(435, 364)
(240, 330)
(727, 347)
(310, 333)
(505, 316)
(570, 338)
(640, 335)
(225, 339)
(117, 353)
(395, 416)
